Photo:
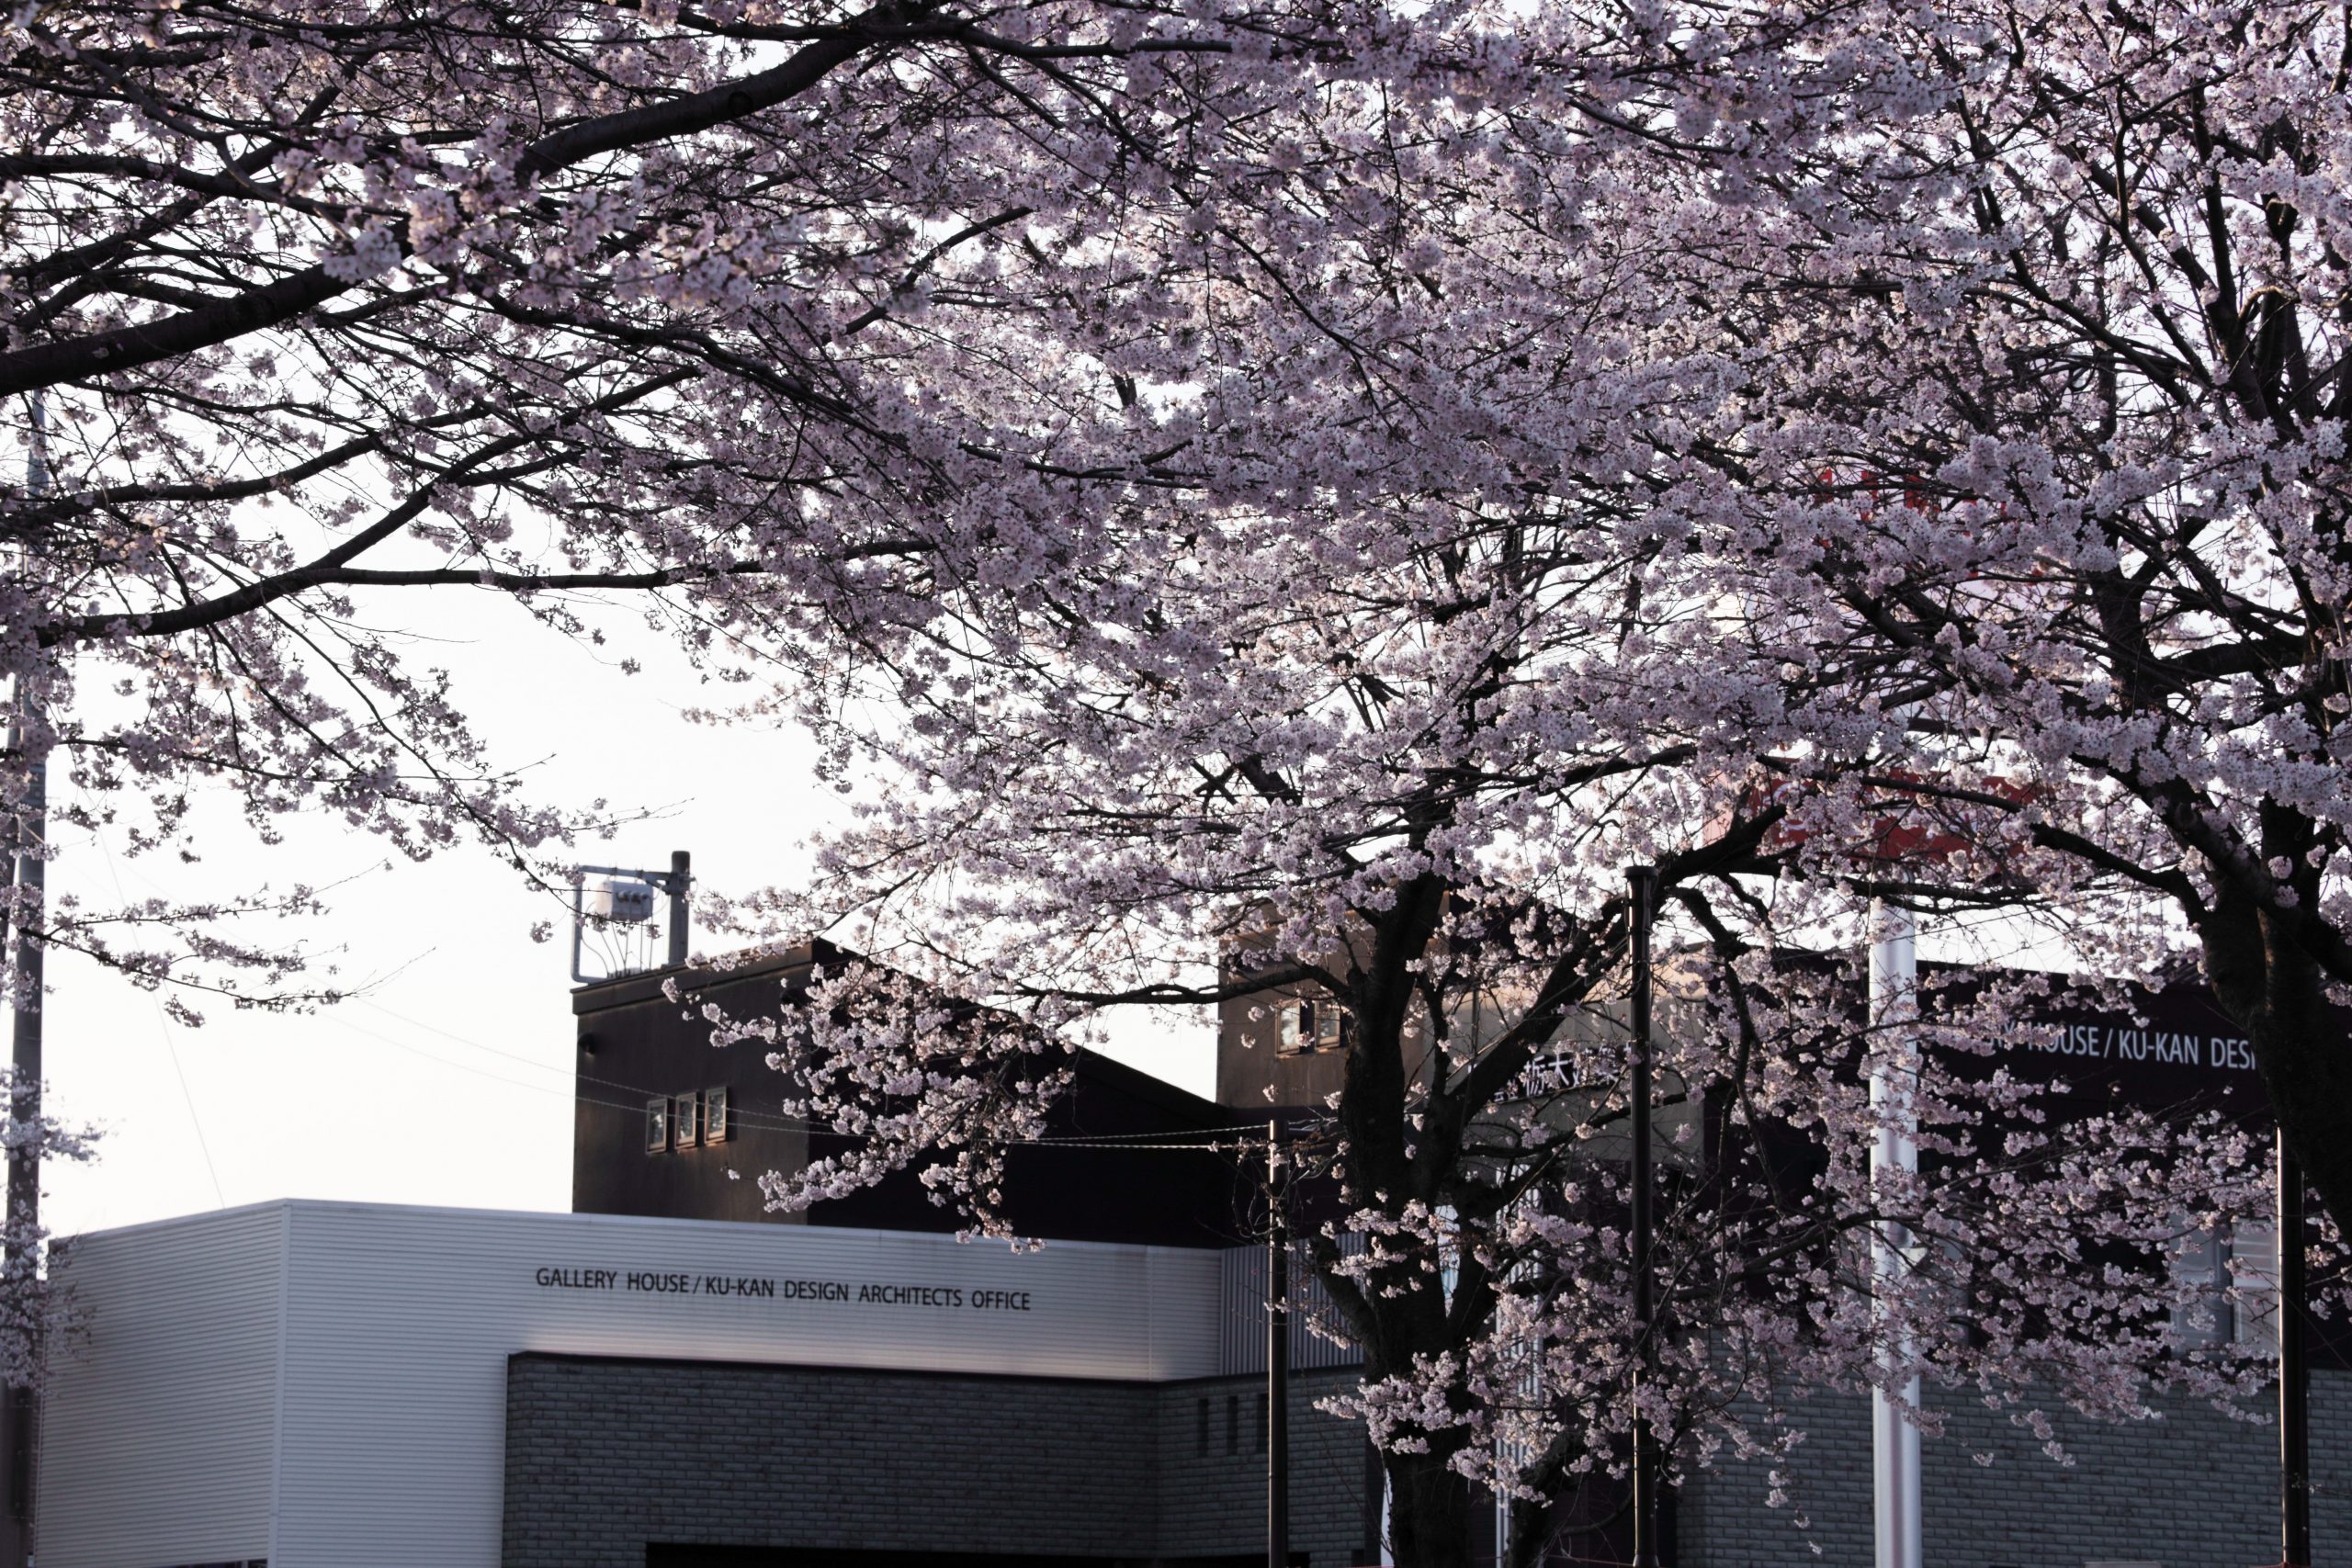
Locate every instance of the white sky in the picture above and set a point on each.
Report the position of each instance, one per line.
(451, 1080)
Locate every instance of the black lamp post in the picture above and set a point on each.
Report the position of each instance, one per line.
(2294, 1372)
(1277, 1360)
(1641, 885)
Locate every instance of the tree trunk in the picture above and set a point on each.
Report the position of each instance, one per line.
(2275, 990)
(1429, 1512)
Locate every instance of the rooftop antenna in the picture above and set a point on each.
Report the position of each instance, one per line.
(626, 899)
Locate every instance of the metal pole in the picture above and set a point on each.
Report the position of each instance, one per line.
(1641, 885)
(22, 1261)
(31, 881)
(1277, 1360)
(24, 1093)
(1894, 1437)
(2294, 1372)
(22, 1257)
(579, 916)
(680, 864)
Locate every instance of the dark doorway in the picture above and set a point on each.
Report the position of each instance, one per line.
(676, 1555)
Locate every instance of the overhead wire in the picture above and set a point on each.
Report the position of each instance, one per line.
(1189, 1138)
(163, 1027)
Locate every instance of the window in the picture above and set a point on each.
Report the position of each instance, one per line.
(2232, 1275)
(1232, 1423)
(657, 1125)
(716, 1127)
(2200, 1265)
(1261, 1422)
(1200, 1429)
(2254, 1278)
(684, 1129)
(1311, 1026)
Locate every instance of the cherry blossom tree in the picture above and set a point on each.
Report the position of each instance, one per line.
(1384, 714)
(720, 309)
(2047, 456)
(1408, 781)
(35, 1312)
(1316, 481)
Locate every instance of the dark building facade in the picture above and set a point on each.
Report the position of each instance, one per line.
(642, 1056)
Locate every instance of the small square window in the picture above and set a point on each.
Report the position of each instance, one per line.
(657, 1125)
(1311, 1026)
(685, 1130)
(716, 1127)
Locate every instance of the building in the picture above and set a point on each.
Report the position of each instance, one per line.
(662, 1117)
(325, 1383)
(672, 1376)
(2194, 1487)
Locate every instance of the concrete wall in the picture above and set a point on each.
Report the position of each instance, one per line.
(606, 1456)
(2194, 1490)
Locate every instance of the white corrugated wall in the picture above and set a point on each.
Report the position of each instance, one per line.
(1318, 1336)
(386, 1415)
(157, 1432)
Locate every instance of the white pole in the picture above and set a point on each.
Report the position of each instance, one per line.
(1895, 1439)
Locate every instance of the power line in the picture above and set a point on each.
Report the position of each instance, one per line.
(163, 1026)
(1122, 1140)
(1141, 1142)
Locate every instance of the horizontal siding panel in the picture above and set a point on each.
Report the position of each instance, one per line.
(156, 1440)
(1318, 1336)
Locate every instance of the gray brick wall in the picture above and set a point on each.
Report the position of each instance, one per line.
(2196, 1489)
(1215, 1505)
(604, 1456)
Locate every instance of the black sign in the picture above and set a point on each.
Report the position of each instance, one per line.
(2168, 1048)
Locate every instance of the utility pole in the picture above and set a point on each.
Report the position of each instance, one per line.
(24, 1094)
(680, 878)
(31, 880)
(2294, 1372)
(1642, 886)
(19, 1258)
(1895, 1435)
(1277, 1359)
(22, 1257)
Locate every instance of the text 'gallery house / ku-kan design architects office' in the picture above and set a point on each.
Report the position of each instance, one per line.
(670, 1376)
